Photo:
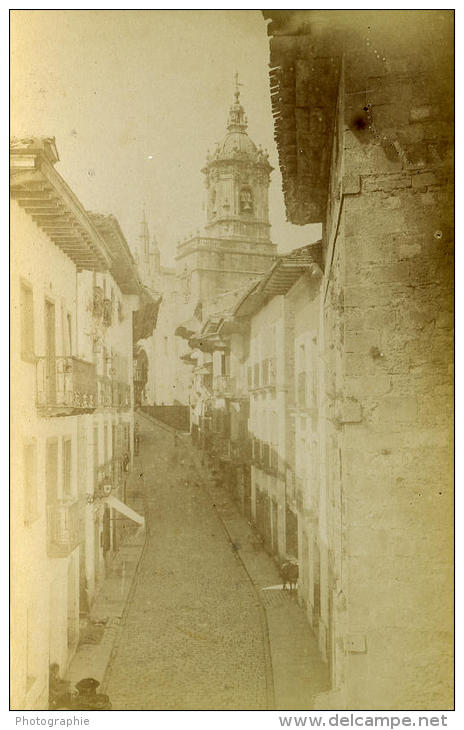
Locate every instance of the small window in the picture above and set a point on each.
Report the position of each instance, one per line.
(30, 482)
(27, 322)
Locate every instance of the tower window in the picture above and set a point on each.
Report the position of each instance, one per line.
(246, 200)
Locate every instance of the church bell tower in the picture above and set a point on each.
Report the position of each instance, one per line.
(234, 245)
(237, 178)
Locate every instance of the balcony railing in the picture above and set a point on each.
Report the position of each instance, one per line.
(113, 393)
(66, 385)
(62, 528)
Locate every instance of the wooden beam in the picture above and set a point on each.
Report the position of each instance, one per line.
(42, 202)
(43, 211)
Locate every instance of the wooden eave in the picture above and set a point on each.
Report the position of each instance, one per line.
(123, 267)
(305, 55)
(278, 281)
(44, 195)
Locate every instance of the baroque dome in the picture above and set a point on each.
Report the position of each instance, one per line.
(235, 143)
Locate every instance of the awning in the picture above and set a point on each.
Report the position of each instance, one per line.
(125, 510)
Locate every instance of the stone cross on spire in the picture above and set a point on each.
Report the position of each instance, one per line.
(237, 118)
(237, 90)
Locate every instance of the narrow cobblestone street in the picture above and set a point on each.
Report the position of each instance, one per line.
(193, 636)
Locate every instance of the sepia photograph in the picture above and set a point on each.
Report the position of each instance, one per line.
(232, 361)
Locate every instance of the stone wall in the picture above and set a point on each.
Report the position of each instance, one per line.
(367, 148)
(388, 343)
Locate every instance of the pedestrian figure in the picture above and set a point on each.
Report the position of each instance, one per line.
(88, 698)
(289, 572)
(125, 462)
(59, 689)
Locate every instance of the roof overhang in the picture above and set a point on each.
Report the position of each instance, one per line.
(305, 58)
(44, 195)
(281, 277)
(123, 267)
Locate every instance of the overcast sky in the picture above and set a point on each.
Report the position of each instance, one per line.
(135, 99)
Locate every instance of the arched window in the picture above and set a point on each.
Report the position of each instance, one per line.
(213, 202)
(246, 200)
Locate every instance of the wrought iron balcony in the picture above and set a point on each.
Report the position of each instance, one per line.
(113, 393)
(62, 528)
(65, 385)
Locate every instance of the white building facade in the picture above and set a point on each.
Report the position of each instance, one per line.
(74, 289)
